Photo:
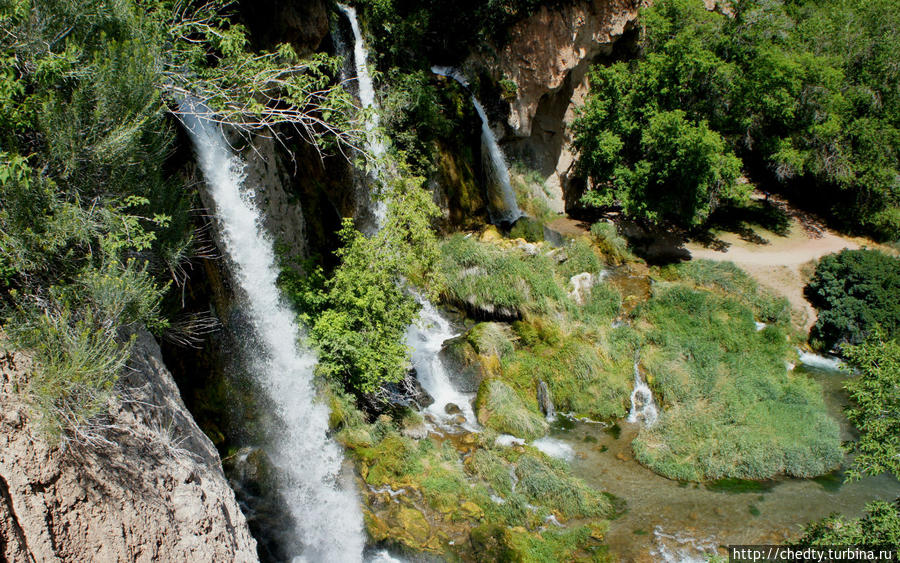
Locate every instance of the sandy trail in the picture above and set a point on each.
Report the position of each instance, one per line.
(784, 264)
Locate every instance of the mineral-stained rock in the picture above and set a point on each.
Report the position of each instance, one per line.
(155, 493)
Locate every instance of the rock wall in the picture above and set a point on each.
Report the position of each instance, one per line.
(547, 56)
(156, 493)
(282, 211)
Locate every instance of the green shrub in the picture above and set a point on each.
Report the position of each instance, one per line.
(78, 362)
(879, 526)
(501, 409)
(875, 405)
(854, 291)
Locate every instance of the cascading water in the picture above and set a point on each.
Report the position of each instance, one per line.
(328, 519)
(821, 362)
(426, 337)
(503, 208)
(374, 142)
(643, 406)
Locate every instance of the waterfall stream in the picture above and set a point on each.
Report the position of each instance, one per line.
(327, 518)
(374, 142)
(643, 406)
(426, 337)
(503, 206)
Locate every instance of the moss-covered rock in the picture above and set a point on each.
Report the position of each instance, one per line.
(491, 542)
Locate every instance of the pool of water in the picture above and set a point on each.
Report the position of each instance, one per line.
(667, 520)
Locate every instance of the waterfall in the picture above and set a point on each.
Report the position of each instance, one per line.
(643, 407)
(827, 363)
(374, 142)
(328, 519)
(426, 337)
(545, 401)
(503, 206)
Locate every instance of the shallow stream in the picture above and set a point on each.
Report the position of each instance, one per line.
(671, 521)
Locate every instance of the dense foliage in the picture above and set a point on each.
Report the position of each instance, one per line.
(804, 89)
(360, 313)
(94, 221)
(410, 34)
(875, 405)
(854, 291)
(880, 526)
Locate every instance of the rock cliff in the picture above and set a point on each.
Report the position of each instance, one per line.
(155, 493)
(547, 57)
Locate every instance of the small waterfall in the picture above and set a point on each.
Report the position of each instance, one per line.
(503, 207)
(328, 519)
(545, 401)
(828, 363)
(643, 407)
(374, 142)
(426, 337)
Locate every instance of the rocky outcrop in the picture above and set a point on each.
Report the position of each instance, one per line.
(283, 214)
(547, 57)
(156, 492)
(545, 48)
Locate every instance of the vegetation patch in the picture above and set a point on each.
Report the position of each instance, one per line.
(731, 408)
(500, 408)
(855, 291)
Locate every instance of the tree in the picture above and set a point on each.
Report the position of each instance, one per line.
(854, 290)
(880, 526)
(802, 93)
(359, 315)
(683, 173)
(92, 219)
(875, 405)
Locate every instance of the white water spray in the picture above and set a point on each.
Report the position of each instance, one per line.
(643, 406)
(426, 337)
(506, 209)
(829, 363)
(328, 519)
(374, 142)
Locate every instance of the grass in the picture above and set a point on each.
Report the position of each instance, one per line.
(500, 408)
(486, 280)
(729, 279)
(491, 339)
(549, 481)
(610, 242)
(580, 378)
(731, 409)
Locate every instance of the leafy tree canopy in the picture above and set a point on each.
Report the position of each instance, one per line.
(855, 290)
(875, 408)
(806, 89)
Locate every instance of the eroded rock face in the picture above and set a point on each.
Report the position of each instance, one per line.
(156, 493)
(543, 49)
(282, 212)
(547, 57)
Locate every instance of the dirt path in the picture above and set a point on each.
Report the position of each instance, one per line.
(784, 263)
